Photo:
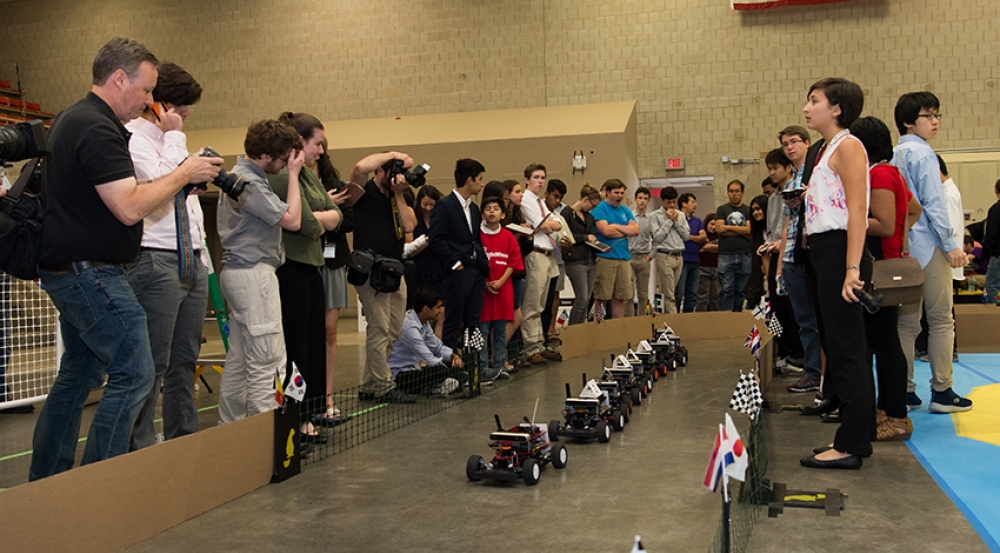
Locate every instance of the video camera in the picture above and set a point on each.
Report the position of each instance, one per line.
(415, 178)
(22, 141)
(232, 185)
(792, 193)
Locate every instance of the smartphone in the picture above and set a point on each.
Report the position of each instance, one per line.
(354, 193)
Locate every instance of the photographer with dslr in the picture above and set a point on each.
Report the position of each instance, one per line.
(170, 279)
(381, 221)
(93, 227)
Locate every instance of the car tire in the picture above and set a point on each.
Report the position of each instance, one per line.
(554, 427)
(559, 456)
(636, 396)
(531, 471)
(603, 432)
(473, 466)
(617, 420)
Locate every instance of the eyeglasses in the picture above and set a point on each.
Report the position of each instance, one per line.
(791, 143)
(285, 159)
(935, 116)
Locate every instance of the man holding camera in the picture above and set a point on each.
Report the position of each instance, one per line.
(93, 227)
(170, 279)
(381, 221)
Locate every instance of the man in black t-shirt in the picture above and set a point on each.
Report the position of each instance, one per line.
(93, 225)
(381, 221)
(732, 223)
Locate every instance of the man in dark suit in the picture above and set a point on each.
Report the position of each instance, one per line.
(454, 239)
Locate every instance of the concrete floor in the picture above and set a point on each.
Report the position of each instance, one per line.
(407, 490)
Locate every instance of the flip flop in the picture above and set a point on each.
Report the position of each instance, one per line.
(332, 418)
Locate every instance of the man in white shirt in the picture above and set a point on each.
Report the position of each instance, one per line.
(174, 302)
(540, 265)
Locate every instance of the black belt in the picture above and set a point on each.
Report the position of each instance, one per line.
(541, 251)
(75, 266)
(671, 253)
(165, 250)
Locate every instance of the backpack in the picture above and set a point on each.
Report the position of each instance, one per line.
(21, 228)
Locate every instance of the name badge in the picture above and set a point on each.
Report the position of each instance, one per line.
(330, 251)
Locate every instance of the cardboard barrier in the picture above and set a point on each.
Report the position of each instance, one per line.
(977, 326)
(110, 505)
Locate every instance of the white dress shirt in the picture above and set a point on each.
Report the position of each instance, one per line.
(535, 212)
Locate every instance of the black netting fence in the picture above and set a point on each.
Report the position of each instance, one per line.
(740, 515)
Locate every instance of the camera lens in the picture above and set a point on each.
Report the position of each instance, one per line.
(13, 144)
(232, 185)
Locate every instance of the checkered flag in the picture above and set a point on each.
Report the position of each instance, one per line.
(472, 341)
(774, 326)
(598, 312)
(747, 398)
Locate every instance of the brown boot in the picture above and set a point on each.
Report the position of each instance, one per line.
(894, 429)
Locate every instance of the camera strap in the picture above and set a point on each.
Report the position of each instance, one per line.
(395, 218)
(14, 194)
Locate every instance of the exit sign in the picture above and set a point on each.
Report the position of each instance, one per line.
(675, 163)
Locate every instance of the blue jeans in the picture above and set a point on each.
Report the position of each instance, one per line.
(992, 280)
(686, 293)
(734, 272)
(794, 275)
(499, 329)
(104, 332)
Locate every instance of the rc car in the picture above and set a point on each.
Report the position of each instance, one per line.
(520, 453)
(640, 379)
(588, 416)
(644, 353)
(628, 386)
(667, 351)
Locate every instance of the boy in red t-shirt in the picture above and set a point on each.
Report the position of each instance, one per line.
(498, 302)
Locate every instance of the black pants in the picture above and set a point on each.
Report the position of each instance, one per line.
(303, 320)
(841, 330)
(547, 314)
(882, 330)
(463, 303)
(789, 344)
(413, 382)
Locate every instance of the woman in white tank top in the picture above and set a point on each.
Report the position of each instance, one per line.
(836, 222)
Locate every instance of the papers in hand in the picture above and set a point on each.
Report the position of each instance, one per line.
(521, 229)
(599, 246)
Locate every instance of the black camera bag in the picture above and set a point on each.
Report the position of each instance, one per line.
(21, 228)
(387, 274)
(359, 267)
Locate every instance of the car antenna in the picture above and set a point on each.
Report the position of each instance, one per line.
(568, 393)
(499, 426)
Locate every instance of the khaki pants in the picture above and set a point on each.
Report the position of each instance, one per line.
(640, 272)
(539, 269)
(668, 271)
(941, 326)
(384, 314)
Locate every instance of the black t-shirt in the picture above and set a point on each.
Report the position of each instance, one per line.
(375, 224)
(339, 237)
(89, 147)
(736, 216)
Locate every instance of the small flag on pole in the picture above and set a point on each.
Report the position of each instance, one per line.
(760, 312)
(736, 455)
(714, 473)
(296, 385)
(279, 391)
(753, 342)
(747, 398)
(774, 326)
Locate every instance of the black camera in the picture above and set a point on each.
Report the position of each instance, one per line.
(232, 185)
(871, 302)
(22, 141)
(792, 193)
(415, 178)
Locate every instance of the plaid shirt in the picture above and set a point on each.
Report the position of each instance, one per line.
(792, 221)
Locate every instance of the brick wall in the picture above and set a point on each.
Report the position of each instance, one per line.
(709, 81)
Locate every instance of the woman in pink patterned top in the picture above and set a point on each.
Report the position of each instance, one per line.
(836, 221)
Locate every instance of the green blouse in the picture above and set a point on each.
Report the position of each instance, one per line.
(306, 244)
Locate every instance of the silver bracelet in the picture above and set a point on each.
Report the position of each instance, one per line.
(854, 267)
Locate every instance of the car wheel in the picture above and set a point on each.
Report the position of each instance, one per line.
(636, 397)
(673, 363)
(559, 456)
(617, 420)
(531, 471)
(656, 375)
(603, 432)
(554, 431)
(473, 466)
(684, 357)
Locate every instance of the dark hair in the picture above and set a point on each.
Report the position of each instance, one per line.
(642, 190)
(513, 211)
(908, 108)
(532, 168)
(270, 137)
(708, 218)
(556, 185)
(777, 157)
(685, 198)
(743, 187)
(328, 174)
(767, 182)
(466, 169)
(874, 136)
(944, 166)
(494, 188)
(303, 123)
(612, 184)
(757, 227)
(428, 191)
(796, 130)
(491, 200)
(176, 86)
(668, 193)
(121, 53)
(996, 187)
(590, 192)
(969, 240)
(843, 93)
(426, 296)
